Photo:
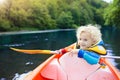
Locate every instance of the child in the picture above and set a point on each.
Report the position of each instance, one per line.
(89, 44)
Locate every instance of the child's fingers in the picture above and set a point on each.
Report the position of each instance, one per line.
(71, 53)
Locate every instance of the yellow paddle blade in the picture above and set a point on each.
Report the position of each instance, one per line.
(32, 51)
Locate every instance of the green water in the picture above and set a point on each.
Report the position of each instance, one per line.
(12, 62)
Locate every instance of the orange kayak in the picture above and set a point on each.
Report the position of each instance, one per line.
(66, 67)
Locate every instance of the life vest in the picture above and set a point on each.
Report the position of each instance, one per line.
(97, 48)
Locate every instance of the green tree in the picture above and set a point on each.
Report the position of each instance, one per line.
(98, 7)
(4, 22)
(86, 14)
(53, 8)
(50, 14)
(112, 14)
(65, 20)
(17, 13)
(40, 16)
(4, 25)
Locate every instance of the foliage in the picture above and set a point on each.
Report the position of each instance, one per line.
(112, 14)
(65, 20)
(50, 14)
(4, 25)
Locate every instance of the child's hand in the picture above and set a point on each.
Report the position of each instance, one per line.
(55, 52)
(61, 51)
(74, 51)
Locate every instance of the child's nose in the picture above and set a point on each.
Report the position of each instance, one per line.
(80, 42)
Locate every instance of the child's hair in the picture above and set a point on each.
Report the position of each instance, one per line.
(94, 31)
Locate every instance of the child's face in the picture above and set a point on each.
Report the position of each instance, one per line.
(85, 40)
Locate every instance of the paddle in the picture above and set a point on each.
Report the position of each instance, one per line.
(111, 57)
(49, 52)
(32, 51)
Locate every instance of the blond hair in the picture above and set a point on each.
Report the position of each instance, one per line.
(93, 30)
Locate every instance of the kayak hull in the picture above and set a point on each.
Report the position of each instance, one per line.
(65, 67)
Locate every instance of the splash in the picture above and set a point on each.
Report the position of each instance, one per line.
(20, 76)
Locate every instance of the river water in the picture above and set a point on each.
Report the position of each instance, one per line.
(12, 62)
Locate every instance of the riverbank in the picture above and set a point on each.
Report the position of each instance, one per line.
(31, 32)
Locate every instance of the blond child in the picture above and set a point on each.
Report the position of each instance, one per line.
(89, 44)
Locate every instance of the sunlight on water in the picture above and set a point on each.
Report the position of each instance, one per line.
(109, 53)
(13, 45)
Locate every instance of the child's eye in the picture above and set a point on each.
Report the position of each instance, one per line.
(85, 39)
(80, 39)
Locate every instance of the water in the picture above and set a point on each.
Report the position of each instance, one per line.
(14, 63)
(112, 44)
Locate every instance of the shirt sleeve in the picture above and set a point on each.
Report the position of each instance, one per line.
(90, 57)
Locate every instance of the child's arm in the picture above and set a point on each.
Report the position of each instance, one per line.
(64, 50)
(90, 57)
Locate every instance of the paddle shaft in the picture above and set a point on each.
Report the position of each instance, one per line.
(49, 52)
(111, 57)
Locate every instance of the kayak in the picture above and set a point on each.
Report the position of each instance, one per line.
(66, 67)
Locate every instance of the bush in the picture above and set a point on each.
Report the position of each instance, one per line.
(4, 25)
